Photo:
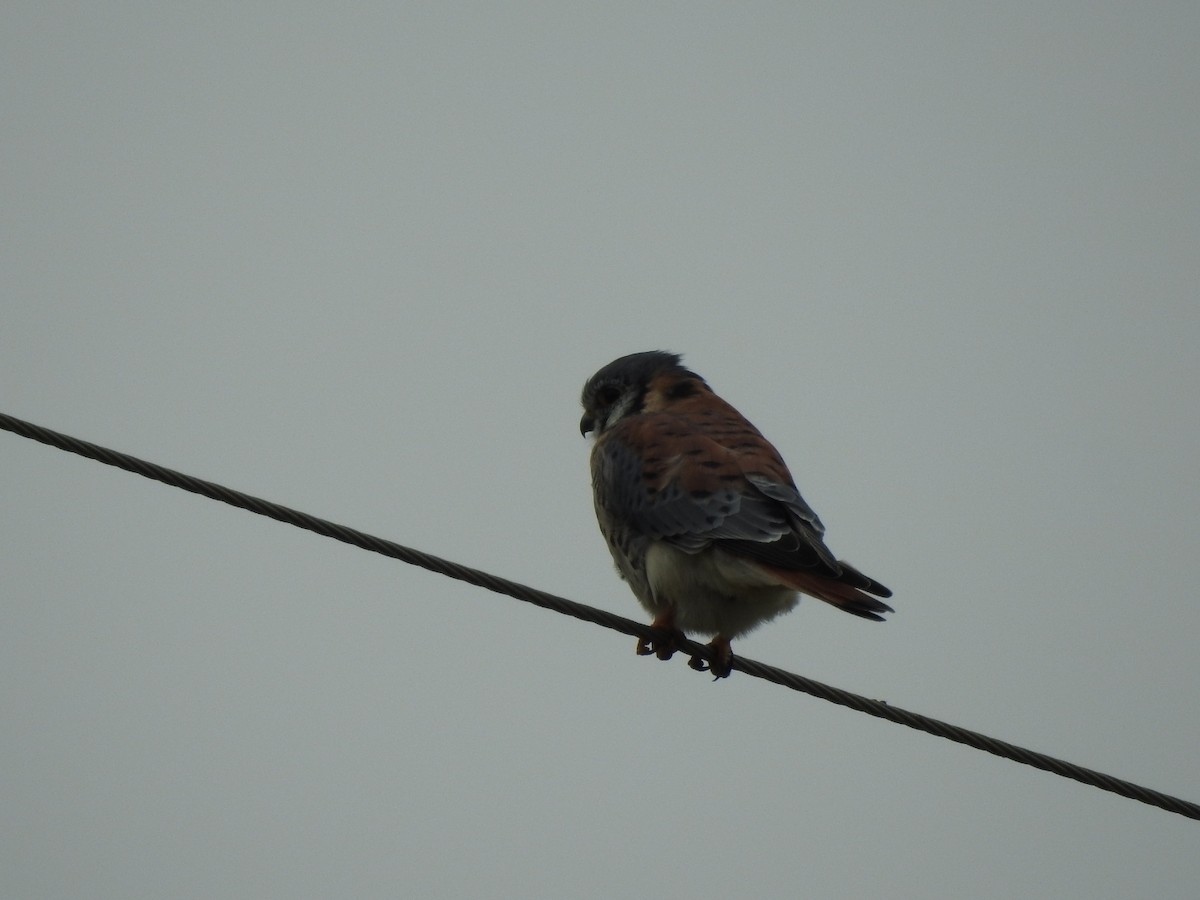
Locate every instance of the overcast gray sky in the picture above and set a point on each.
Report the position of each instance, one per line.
(359, 259)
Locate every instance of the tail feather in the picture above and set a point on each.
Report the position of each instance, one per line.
(852, 576)
(849, 592)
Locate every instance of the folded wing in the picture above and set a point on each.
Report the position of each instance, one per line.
(676, 484)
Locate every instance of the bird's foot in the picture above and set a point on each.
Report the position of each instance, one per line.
(666, 638)
(722, 658)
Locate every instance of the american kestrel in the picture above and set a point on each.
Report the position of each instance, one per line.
(700, 512)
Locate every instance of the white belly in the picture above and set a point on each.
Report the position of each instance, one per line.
(713, 592)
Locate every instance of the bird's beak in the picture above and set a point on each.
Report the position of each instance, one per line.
(586, 424)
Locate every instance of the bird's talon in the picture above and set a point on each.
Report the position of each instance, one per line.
(663, 643)
(722, 658)
(698, 664)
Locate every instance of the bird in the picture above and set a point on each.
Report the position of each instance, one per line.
(701, 514)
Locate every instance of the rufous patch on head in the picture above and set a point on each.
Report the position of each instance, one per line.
(666, 391)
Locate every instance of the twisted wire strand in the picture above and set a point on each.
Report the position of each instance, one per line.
(795, 682)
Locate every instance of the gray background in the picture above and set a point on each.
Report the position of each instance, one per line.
(360, 260)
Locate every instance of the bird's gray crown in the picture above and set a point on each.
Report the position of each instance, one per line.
(636, 368)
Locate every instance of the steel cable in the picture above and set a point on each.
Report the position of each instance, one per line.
(877, 708)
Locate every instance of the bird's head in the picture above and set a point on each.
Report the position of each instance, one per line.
(634, 384)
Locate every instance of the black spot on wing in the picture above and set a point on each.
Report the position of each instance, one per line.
(681, 389)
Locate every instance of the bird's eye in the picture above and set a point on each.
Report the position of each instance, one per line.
(609, 394)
